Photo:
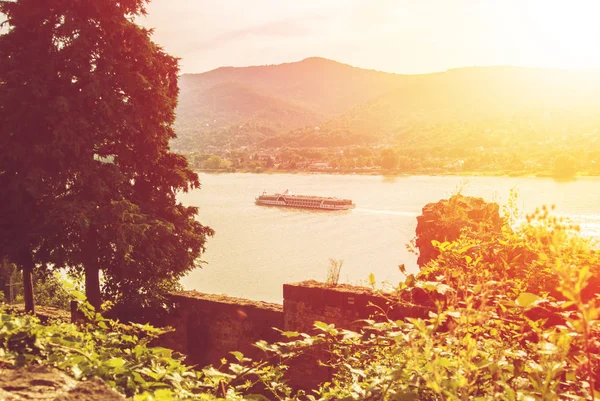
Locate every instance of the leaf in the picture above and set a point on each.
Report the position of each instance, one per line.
(444, 362)
(163, 394)
(236, 368)
(402, 268)
(115, 363)
(238, 355)
(78, 296)
(328, 328)
(161, 351)
(139, 379)
(321, 325)
(525, 299)
(212, 372)
(151, 374)
(464, 249)
(584, 276)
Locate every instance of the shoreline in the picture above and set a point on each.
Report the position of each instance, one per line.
(394, 174)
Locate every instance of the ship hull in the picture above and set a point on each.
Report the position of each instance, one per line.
(317, 207)
(304, 202)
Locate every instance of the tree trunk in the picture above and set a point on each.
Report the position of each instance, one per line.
(28, 286)
(6, 279)
(92, 270)
(92, 285)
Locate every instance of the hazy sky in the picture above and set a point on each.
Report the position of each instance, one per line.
(405, 36)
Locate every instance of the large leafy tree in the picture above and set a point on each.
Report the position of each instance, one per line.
(33, 158)
(98, 107)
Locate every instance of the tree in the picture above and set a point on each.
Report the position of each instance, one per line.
(389, 159)
(34, 153)
(270, 162)
(213, 162)
(565, 167)
(9, 276)
(106, 102)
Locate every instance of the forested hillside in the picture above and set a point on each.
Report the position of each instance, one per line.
(245, 106)
(322, 103)
(466, 100)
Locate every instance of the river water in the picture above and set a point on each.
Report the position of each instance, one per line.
(256, 249)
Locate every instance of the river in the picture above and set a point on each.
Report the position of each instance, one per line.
(256, 249)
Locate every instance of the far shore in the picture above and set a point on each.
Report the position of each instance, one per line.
(395, 173)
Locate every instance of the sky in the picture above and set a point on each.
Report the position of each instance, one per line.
(402, 36)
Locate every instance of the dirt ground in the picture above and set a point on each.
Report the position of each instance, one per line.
(43, 383)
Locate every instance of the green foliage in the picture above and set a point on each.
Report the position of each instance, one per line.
(52, 290)
(121, 356)
(116, 353)
(213, 163)
(565, 167)
(87, 105)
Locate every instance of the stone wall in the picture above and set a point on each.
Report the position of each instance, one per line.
(208, 327)
(343, 305)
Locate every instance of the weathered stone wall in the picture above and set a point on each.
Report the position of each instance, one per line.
(343, 305)
(208, 327)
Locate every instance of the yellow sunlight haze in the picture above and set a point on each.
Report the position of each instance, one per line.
(563, 34)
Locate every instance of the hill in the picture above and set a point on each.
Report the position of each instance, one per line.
(232, 105)
(546, 99)
(322, 103)
(218, 114)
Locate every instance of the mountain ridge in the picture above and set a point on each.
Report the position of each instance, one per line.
(314, 96)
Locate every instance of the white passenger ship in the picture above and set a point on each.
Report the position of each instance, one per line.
(308, 202)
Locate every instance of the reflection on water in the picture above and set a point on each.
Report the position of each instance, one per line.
(256, 249)
(389, 179)
(389, 212)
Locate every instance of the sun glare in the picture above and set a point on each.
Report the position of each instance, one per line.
(562, 34)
